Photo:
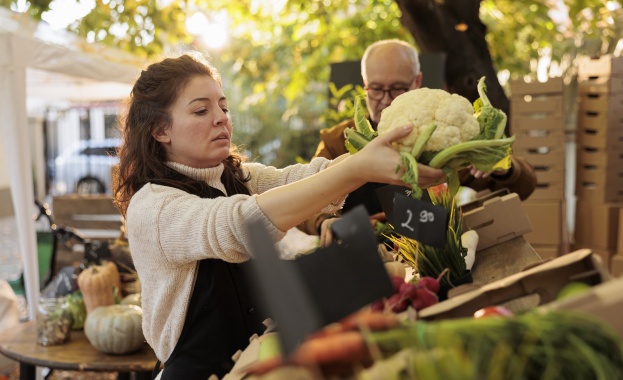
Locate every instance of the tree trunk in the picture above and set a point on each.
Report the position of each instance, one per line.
(453, 27)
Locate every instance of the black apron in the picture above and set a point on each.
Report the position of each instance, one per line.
(222, 315)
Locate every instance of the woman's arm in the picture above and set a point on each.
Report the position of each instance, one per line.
(289, 205)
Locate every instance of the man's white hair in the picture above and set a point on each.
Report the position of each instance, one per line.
(405, 46)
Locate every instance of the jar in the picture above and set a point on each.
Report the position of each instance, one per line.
(53, 321)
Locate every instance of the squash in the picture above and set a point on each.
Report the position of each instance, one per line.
(115, 329)
(97, 284)
(132, 299)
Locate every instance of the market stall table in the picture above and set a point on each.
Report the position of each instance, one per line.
(78, 354)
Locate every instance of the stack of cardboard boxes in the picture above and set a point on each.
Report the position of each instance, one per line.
(599, 175)
(537, 121)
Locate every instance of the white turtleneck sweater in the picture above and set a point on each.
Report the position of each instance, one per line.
(169, 231)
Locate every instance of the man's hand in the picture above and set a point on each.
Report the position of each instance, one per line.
(428, 176)
(480, 174)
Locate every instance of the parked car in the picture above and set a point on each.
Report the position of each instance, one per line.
(85, 167)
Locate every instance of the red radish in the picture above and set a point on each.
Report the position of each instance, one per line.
(417, 304)
(398, 303)
(428, 297)
(428, 283)
(408, 290)
(397, 282)
(431, 283)
(378, 305)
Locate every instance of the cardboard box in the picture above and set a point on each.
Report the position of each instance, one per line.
(537, 138)
(542, 156)
(604, 301)
(605, 255)
(593, 192)
(619, 247)
(547, 252)
(589, 155)
(496, 218)
(599, 119)
(549, 192)
(597, 224)
(604, 66)
(600, 84)
(548, 174)
(545, 121)
(531, 104)
(520, 87)
(546, 280)
(616, 265)
(547, 222)
(603, 138)
(601, 102)
(600, 176)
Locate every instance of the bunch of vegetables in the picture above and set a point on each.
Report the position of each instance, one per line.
(418, 294)
(431, 261)
(537, 345)
(449, 133)
(552, 345)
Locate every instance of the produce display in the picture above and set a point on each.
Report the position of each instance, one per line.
(449, 133)
(420, 293)
(112, 324)
(535, 345)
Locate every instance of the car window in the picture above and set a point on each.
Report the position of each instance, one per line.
(100, 151)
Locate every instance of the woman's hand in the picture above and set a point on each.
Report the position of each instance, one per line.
(378, 161)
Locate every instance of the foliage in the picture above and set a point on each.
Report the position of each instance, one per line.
(341, 103)
(520, 33)
(277, 63)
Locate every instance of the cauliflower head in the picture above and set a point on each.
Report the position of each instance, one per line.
(452, 113)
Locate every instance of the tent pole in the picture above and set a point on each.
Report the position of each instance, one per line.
(15, 129)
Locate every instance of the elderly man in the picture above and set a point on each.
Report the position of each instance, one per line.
(390, 68)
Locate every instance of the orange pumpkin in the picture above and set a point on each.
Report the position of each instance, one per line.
(97, 285)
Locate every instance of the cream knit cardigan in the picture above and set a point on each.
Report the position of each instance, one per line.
(169, 231)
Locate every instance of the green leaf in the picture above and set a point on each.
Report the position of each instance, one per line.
(361, 121)
(411, 174)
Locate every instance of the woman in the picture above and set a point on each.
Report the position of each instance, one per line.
(187, 196)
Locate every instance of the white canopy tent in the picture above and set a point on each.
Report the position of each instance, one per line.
(36, 61)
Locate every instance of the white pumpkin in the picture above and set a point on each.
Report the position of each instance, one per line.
(115, 329)
(132, 299)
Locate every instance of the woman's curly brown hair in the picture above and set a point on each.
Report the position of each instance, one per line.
(142, 158)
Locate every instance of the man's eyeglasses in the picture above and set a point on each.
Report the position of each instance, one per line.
(375, 93)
